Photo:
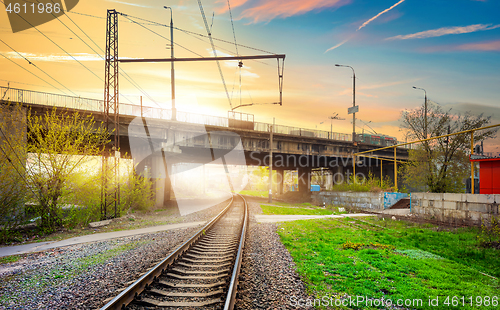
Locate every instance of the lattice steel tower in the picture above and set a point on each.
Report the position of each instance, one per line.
(110, 193)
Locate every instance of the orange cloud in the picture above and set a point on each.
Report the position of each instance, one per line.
(233, 3)
(485, 46)
(266, 10)
(482, 46)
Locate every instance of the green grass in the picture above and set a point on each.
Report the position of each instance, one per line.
(255, 193)
(10, 259)
(273, 210)
(394, 260)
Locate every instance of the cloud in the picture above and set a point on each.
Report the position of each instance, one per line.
(132, 4)
(233, 3)
(376, 16)
(364, 24)
(444, 31)
(58, 58)
(266, 10)
(348, 91)
(338, 45)
(481, 46)
(388, 84)
(52, 57)
(485, 46)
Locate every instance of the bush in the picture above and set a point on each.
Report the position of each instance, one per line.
(137, 193)
(362, 184)
(489, 236)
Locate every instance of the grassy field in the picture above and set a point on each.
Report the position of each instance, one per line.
(255, 193)
(274, 210)
(401, 261)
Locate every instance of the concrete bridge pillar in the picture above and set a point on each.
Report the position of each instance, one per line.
(163, 185)
(338, 176)
(280, 175)
(304, 179)
(329, 182)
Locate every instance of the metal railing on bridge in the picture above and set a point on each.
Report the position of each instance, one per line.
(96, 105)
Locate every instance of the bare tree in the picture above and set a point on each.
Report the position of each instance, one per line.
(440, 165)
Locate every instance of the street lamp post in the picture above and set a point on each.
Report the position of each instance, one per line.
(331, 118)
(353, 100)
(172, 72)
(425, 111)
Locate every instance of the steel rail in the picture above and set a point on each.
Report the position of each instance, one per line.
(130, 293)
(233, 285)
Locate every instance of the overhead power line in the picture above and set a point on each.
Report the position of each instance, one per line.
(122, 72)
(177, 44)
(150, 22)
(93, 73)
(31, 73)
(31, 63)
(215, 52)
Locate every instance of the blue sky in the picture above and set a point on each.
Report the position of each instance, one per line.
(449, 48)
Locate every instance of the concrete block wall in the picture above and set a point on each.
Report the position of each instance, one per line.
(468, 209)
(363, 200)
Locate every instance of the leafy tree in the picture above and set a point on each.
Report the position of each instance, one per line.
(61, 143)
(440, 165)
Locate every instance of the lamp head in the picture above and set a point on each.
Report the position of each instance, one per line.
(337, 65)
(414, 87)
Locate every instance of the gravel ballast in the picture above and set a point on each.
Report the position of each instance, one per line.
(83, 276)
(268, 279)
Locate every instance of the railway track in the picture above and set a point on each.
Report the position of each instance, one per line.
(201, 273)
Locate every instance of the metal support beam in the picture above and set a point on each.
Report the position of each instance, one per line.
(278, 56)
(472, 180)
(110, 192)
(395, 171)
(271, 163)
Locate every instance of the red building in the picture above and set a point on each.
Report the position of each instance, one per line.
(489, 173)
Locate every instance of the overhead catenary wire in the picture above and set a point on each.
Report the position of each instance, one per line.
(240, 64)
(198, 36)
(177, 44)
(150, 22)
(33, 64)
(52, 41)
(30, 72)
(122, 72)
(97, 53)
(214, 51)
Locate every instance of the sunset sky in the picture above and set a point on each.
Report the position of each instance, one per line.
(449, 48)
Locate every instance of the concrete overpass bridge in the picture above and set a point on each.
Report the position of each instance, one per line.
(188, 137)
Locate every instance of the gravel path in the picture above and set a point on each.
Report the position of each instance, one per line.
(268, 279)
(83, 276)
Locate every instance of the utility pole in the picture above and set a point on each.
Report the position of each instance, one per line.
(271, 163)
(353, 101)
(353, 105)
(425, 111)
(172, 72)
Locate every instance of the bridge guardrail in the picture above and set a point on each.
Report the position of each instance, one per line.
(96, 105)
